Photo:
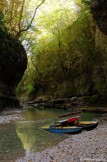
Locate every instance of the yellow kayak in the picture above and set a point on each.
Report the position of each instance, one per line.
(65, 129)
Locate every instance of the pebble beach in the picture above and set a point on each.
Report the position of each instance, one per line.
(88, 146)
(10, 116)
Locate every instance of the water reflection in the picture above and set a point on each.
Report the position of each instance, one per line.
(32, 136)
(10, 145)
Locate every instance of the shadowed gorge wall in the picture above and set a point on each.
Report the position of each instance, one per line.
(13, 63)
(99, 12)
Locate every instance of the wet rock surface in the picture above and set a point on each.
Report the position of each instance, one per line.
(73, 103)
(64, 103)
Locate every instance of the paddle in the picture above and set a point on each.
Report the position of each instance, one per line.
(64, 115)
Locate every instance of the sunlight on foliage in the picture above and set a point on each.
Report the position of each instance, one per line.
(62, 49)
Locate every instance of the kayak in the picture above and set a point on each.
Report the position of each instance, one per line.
(70, 125)
(74, 121)
(64, 130)
(87, 125)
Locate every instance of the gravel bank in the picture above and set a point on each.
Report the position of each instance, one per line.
(10, 116)
(88, 146)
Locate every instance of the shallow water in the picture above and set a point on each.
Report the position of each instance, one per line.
(10, 144)
(25, 136)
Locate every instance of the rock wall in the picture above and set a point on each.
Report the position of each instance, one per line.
(99, 12)
(13, 63)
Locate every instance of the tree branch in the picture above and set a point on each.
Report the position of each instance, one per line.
(29, 25)
(21, 13)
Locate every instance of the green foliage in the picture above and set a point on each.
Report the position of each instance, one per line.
(2, 25)
(65, 59)
(30, 88)
(87, 2)
(19, 15)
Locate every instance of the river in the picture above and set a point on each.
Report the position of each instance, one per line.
(24, 136)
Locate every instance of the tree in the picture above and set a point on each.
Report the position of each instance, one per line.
(18, 18)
